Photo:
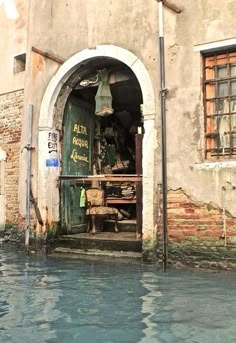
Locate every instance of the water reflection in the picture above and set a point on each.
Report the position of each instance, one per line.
(189, 307)
(105, 306)
(30, 302)
(50, 300)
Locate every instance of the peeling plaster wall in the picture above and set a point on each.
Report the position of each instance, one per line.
(200, 234)
(200, 22)
(13, 44)
(65, 28)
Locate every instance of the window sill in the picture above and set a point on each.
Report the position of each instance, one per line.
(207, 165)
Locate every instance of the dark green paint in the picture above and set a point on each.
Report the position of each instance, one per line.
(77, 159)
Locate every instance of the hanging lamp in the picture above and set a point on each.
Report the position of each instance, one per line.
(103, 97)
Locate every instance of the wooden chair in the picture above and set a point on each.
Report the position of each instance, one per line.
(96, 208)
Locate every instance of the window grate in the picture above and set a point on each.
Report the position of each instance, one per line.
(220, 105)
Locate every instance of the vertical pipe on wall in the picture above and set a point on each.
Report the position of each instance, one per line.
(28, 176)
(139, 185)
(163, 134)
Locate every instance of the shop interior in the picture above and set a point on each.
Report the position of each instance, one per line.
(114, 92)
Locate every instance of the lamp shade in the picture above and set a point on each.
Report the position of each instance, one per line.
(103, 97)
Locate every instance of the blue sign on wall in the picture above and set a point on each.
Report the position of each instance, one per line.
(52, 162)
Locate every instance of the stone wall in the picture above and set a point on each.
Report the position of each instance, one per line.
(11, 109)
(199, 231)
(197, 225)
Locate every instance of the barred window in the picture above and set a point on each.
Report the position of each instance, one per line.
(220, 105)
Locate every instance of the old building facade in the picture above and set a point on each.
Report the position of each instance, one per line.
(12, 47)
(58, 44)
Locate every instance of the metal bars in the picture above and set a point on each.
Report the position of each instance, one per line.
(220, 104)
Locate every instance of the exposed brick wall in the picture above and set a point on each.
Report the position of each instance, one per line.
(187, 218)
(11, 109)
(196, 230)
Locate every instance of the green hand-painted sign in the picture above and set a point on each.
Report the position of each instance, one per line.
(77, 159)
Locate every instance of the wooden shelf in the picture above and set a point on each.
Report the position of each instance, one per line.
(110, 200)
(103, 178)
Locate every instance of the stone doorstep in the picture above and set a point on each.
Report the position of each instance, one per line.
(113, 242)
(79, 253)
(103, 236)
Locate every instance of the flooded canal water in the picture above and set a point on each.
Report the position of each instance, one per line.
(70, 301)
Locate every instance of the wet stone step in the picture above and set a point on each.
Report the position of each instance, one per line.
(110, 241)
(94, 253)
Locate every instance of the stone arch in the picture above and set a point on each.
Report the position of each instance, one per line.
(48, 199)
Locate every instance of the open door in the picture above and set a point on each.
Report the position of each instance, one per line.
(77, 159)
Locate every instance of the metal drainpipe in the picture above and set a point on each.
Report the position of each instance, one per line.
(163, 134)
(28, 147)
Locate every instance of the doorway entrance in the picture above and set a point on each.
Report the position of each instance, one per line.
(77, 68)
(109, 147)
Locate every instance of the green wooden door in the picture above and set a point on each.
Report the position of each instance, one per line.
(77, 159)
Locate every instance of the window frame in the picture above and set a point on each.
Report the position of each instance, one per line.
(212, 63)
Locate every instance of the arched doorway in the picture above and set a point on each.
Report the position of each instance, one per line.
(66, 82)
(109, 145)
